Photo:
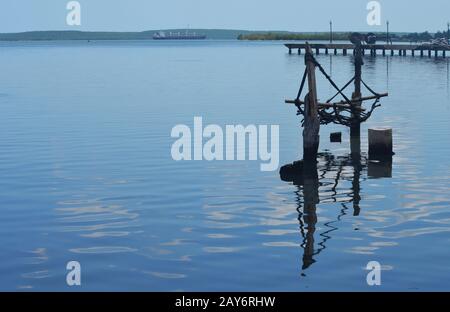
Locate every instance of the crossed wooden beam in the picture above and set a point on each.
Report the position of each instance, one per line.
(341, 104)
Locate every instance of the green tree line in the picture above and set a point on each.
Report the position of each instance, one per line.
(409, 37)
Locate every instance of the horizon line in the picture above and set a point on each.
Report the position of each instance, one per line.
(215, 29)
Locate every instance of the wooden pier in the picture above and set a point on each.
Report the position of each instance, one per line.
(372, 50)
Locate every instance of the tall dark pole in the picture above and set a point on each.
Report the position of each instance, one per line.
(387, 32)
(355, 128)
(448, 32)
(331, 32)
(312, 123)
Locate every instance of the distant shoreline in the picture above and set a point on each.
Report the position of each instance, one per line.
(212, 34)
(215, 34)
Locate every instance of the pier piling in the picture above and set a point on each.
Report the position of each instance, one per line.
(312, 122)
(380, 143)
(355, 128)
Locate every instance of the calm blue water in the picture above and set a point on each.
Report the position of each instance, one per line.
(87, 175)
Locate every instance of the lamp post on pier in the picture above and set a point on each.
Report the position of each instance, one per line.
(387, 32)
(331, 31)
(448, 32)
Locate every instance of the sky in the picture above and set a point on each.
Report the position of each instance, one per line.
(291, 15)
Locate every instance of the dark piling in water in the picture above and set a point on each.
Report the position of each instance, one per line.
(380, 143)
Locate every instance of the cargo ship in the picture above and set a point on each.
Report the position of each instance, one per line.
(178, 36)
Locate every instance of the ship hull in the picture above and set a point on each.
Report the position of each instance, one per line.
(180, 38)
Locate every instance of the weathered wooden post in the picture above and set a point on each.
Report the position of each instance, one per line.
(355, 128)
(380, 143)
(380, 153)
(312, 123)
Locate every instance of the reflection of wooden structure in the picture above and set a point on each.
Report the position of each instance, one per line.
(312, 179)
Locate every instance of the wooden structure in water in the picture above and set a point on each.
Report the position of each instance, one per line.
(305, 173)
(348, 112)
(372, 49)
